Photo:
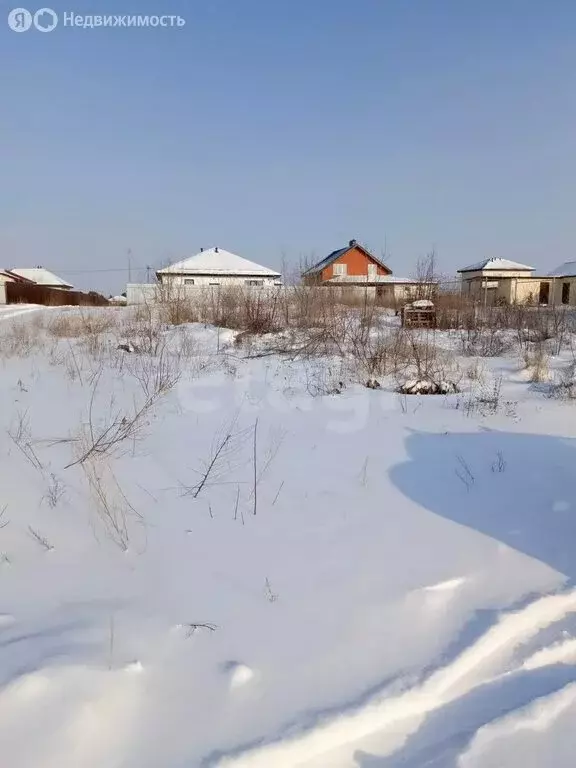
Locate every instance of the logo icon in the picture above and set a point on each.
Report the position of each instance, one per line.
(45, 20)
(19, 20)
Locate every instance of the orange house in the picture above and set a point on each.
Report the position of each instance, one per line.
(353, 261)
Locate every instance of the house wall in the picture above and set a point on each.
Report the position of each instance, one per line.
(492, 274)
(556, 290)
(386, 293)
(518, 289)
(2, 293)
(207, 280)
(500, 286)
(356, 261)
(523, 291)
(353, 292)
(398, 292)
(143, 293)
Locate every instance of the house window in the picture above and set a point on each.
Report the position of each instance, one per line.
(544, 295)
(339, 270)
(254, 282)
(188, 281)
(565, 293)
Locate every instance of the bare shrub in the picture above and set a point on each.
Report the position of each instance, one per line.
(536, 363)
(490, 397)
(484, 342)
(427, 277)
(464, 473)
(269, 593)
(21, 435)
(177, 307)
(156, 375)
(454, 311)
(3, 521)
(19, 339)
(109, 501)
(224, 456)
(487, 401)
(377, 356)
(55, 491)
(428, 369)
(253, 311)
(476, 372)
(322, 380)
(108, 436)
(565, 388)
(79, 324)
(40, 539)
(499, 464)
(195, 627)
(144, 328)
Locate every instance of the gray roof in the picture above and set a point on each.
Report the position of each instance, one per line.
(340, 252)
(568, 269)
(41, 276)
(495, 264)
(217, 261)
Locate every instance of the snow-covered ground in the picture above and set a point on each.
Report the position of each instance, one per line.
(8, 311)
(254, 577)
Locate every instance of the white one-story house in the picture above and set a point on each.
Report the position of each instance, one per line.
(217, 267)
(501, 281)
(41, 276)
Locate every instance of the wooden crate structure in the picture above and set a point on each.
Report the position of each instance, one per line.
(418, 317)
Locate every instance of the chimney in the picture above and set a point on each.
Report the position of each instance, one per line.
(216, 249)
(352, 243)
(201, 250)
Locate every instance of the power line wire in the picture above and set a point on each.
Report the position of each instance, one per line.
(94, 271)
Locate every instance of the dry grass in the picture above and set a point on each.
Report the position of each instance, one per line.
(362, 340)
(565, 387)
(109, 501)
(81, 324)
(156, 375)
(107, 436)
(536, 362)
(476, 372)
(19, 338)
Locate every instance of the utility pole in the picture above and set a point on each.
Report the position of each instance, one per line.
(129, 255)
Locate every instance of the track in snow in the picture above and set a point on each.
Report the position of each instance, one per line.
(489, 660)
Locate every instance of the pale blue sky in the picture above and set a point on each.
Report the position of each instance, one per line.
(284, 129)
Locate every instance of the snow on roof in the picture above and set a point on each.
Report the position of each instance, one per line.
(4, 273)
(502, 265)
(41, 276)
(217, 261)
(568, 269)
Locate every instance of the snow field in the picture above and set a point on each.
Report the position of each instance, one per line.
(389, 582)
